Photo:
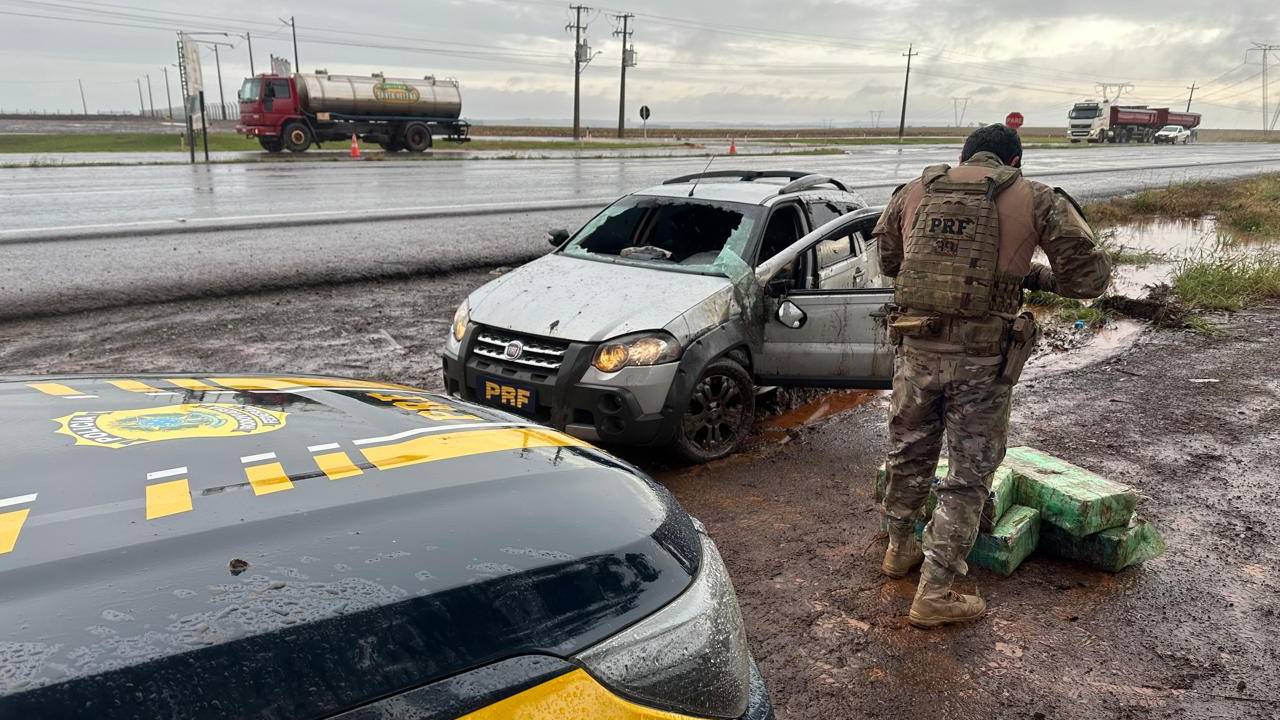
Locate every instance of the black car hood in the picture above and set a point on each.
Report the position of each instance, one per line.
(276, 582)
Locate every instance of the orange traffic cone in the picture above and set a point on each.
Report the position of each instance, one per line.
(355, 146)
(733, 146)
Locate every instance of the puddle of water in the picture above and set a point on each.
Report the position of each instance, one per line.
(1107, 342)
(1168, 242)
(779, 426)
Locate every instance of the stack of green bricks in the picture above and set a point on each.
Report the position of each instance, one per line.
(1038, 501)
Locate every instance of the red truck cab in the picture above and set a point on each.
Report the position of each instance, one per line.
(268, 104)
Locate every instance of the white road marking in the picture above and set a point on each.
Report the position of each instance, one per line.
(260, 456)
(325, 446)
(167, 473)
(442, 428)
(18, 500)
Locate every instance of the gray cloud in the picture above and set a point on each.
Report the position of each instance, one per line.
(804, 61)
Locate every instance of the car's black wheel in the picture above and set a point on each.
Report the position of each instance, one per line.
(391, 146)
(721, 408)
(417, 137)
(271, 145)
(297, 137)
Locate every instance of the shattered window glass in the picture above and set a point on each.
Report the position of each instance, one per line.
(674, 233)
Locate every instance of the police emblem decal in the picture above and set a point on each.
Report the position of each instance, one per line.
(123, 428)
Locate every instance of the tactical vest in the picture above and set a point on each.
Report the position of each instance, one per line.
(949, 257)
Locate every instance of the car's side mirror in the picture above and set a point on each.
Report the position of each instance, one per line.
(791, 315)
(557, 237)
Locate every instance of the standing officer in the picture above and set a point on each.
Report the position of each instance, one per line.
(959, 242)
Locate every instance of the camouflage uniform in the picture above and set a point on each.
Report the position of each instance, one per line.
(948, 382)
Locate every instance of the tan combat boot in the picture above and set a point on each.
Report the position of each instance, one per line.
(904, 553)
(935, 606)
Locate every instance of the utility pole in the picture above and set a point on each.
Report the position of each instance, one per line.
(581, 55)
(83, 104)
(142, 107)
(168, 99)
(628, 60)
(1191, 95)
(294, 27)
(222, 98)
(151, 101)
(248, 38)
(959, 111)
(906, 82)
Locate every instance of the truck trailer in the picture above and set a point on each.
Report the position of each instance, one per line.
(294, 112)
(1097, 122)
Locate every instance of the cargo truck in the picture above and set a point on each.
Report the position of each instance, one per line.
(294, 112)
(1098, 122)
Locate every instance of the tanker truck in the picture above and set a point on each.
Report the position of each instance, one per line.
(294, 112)
(1097, 122)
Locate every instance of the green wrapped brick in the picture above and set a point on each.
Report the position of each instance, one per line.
(1112, 550)
(1002, 496)
(1078, 501)
(1009, 543)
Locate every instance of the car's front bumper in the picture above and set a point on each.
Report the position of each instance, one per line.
(630, 407)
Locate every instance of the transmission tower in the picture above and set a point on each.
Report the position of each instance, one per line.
(959, 106)
(1105, 89)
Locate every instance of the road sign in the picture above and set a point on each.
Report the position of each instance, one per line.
(191, 63)
(644, 113)
(1014, 120)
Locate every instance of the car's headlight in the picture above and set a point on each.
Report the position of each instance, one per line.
(461, 319)
(689, 657)
(649, 348)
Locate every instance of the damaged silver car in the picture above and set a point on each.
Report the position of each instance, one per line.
(657, 322)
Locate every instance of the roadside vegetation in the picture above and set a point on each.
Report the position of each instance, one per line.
(224, 141)
(1250, 206)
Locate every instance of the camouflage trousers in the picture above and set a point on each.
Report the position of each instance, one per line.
(933, 393)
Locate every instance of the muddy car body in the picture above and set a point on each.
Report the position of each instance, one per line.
(655, 323)
(302, 547)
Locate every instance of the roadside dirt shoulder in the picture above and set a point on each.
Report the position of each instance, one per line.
(1192, 422)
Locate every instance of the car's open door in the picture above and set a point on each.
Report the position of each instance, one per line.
(823, 336)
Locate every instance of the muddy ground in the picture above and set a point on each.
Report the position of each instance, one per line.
(1190, 635)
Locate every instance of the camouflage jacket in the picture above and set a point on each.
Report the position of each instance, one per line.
(1032, 215)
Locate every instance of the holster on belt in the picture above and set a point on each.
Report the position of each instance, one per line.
(1023, 336)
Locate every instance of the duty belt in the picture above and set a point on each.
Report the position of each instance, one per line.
(938, 333)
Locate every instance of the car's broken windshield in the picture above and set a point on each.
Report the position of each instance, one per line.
(678, 233)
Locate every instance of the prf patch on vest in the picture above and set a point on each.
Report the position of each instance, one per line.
(960, 228)
(949, 263)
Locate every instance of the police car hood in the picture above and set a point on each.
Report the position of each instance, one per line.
(290, 546)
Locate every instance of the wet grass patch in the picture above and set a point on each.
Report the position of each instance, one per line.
(1227, 281)
(1250, 206)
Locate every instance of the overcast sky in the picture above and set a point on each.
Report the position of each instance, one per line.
(808, 62)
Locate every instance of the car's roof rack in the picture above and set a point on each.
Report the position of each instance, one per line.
(799, 180)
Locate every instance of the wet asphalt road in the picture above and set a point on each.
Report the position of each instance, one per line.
(63, 273)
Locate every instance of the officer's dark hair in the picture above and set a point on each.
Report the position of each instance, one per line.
(1001, 140)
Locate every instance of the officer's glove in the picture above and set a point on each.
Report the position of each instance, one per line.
(1040, 278)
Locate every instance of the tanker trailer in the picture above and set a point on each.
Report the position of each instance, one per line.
(295, 111)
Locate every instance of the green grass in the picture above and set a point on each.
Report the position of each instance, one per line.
(1067, 310)
(1227, 281)
(118, 142)
(1250, 206)
(169, 142)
